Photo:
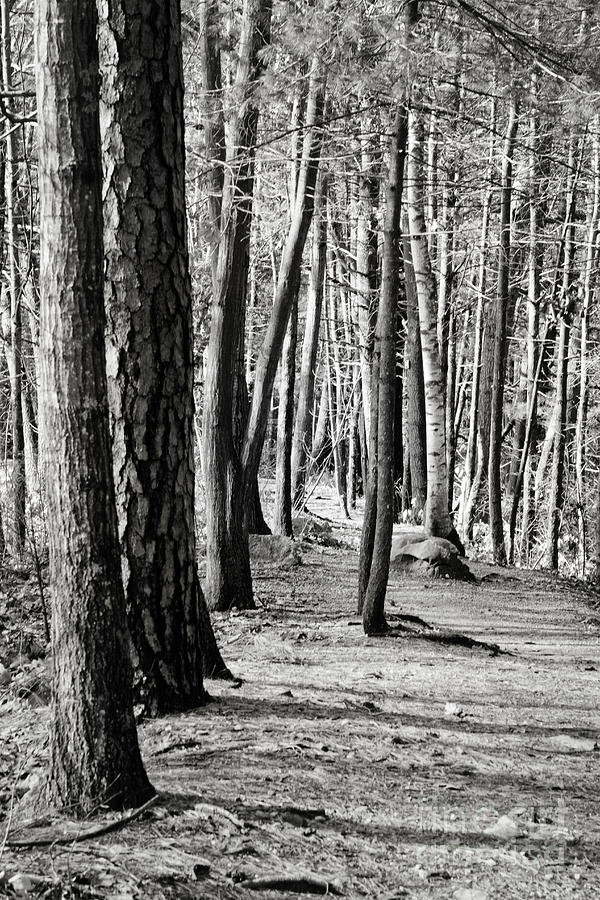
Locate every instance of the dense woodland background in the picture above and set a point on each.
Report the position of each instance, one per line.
(480, 77)
(379, 265)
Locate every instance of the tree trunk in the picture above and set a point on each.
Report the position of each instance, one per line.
(366, 264)
(228, 576)
(289, 276)
(282, 512)
(477, 452)
(335, 389)
(12, 315)
(385, 349)
(150, 355)
(437, 518)
(591, 259)
(302, 439)
(499, 356)
(94, 753)
(415, 389)
(556, 487)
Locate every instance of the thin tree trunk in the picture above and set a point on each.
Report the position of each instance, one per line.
(499, 357)
(477, 453)
(556, 489)
(437, 518)
(228, 576)
(591, 259)
(366, 265)
(415, 390)
(302, 439)
(287, 285)
(282, 513)
(12, 316)
(385, 348)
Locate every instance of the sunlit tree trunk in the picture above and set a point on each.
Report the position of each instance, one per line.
(12, 315)
(501, 303)
(302, 439)
(437, 518)
(556, 486)
(590, 264)
(385, 349)
(282, 511)
(228, 577)
(289, 275)
(476, 452)
(415, 389)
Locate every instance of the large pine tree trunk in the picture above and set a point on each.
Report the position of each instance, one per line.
(94, 754)
(150, 359)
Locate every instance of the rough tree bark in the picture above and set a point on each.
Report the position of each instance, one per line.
(150, 359)
(94, 753)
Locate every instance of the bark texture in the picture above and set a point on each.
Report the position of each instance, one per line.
(150, 358)
(94, 754)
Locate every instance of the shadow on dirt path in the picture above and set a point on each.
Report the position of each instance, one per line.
(388, 768)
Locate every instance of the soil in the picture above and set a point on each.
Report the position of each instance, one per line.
(368, 767)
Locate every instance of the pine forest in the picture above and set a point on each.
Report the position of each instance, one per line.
(300, 480)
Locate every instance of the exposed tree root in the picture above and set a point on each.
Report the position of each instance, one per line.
(299, 885)
(406, 617)
(74, 832)
(431, 633)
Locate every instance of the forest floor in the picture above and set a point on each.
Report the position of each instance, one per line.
(369, 767)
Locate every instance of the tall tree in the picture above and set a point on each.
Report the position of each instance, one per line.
(437, 517)
(302, 442)
(150, 351)
(94, 753)
(12, 312)
(228, 576)
(385, 349)
(502, 300)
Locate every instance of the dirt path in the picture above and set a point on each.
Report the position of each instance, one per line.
(385, 767)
